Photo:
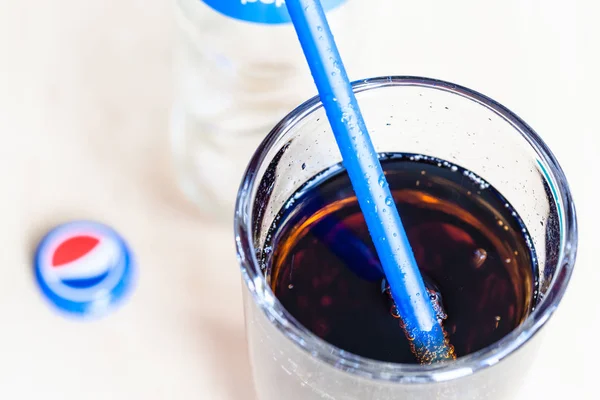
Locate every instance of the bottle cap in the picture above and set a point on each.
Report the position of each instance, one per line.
(84, 268)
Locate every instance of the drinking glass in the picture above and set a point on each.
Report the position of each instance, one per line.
(408, 115)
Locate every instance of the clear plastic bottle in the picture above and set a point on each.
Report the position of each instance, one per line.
(238, 70)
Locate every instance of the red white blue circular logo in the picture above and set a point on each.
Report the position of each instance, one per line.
(84, 267)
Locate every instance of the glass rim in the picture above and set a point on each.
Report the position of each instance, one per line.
(342, 360)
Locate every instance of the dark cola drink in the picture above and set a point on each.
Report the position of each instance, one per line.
(472, 248)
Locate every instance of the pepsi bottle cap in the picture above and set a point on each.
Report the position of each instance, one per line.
(84, 268)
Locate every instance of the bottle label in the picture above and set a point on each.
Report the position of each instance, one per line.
(260, 11)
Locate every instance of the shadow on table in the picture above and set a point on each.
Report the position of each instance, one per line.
(228, 359)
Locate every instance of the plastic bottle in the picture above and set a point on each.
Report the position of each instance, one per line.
(238, 70)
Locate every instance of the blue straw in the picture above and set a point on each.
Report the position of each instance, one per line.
(369, 182)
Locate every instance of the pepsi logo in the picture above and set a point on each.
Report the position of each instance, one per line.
(83, 267)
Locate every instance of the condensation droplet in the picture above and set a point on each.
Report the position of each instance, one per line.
(303, 165)
(389, 201)
(291, 286)
(479, 257)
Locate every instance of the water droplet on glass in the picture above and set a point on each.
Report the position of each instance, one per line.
(389, 201)
(303, 165)
(479, 257)
(320, 28)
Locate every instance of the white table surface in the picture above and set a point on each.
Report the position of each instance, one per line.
(84, 94)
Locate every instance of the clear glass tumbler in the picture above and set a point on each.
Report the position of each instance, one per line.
(414, 115)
